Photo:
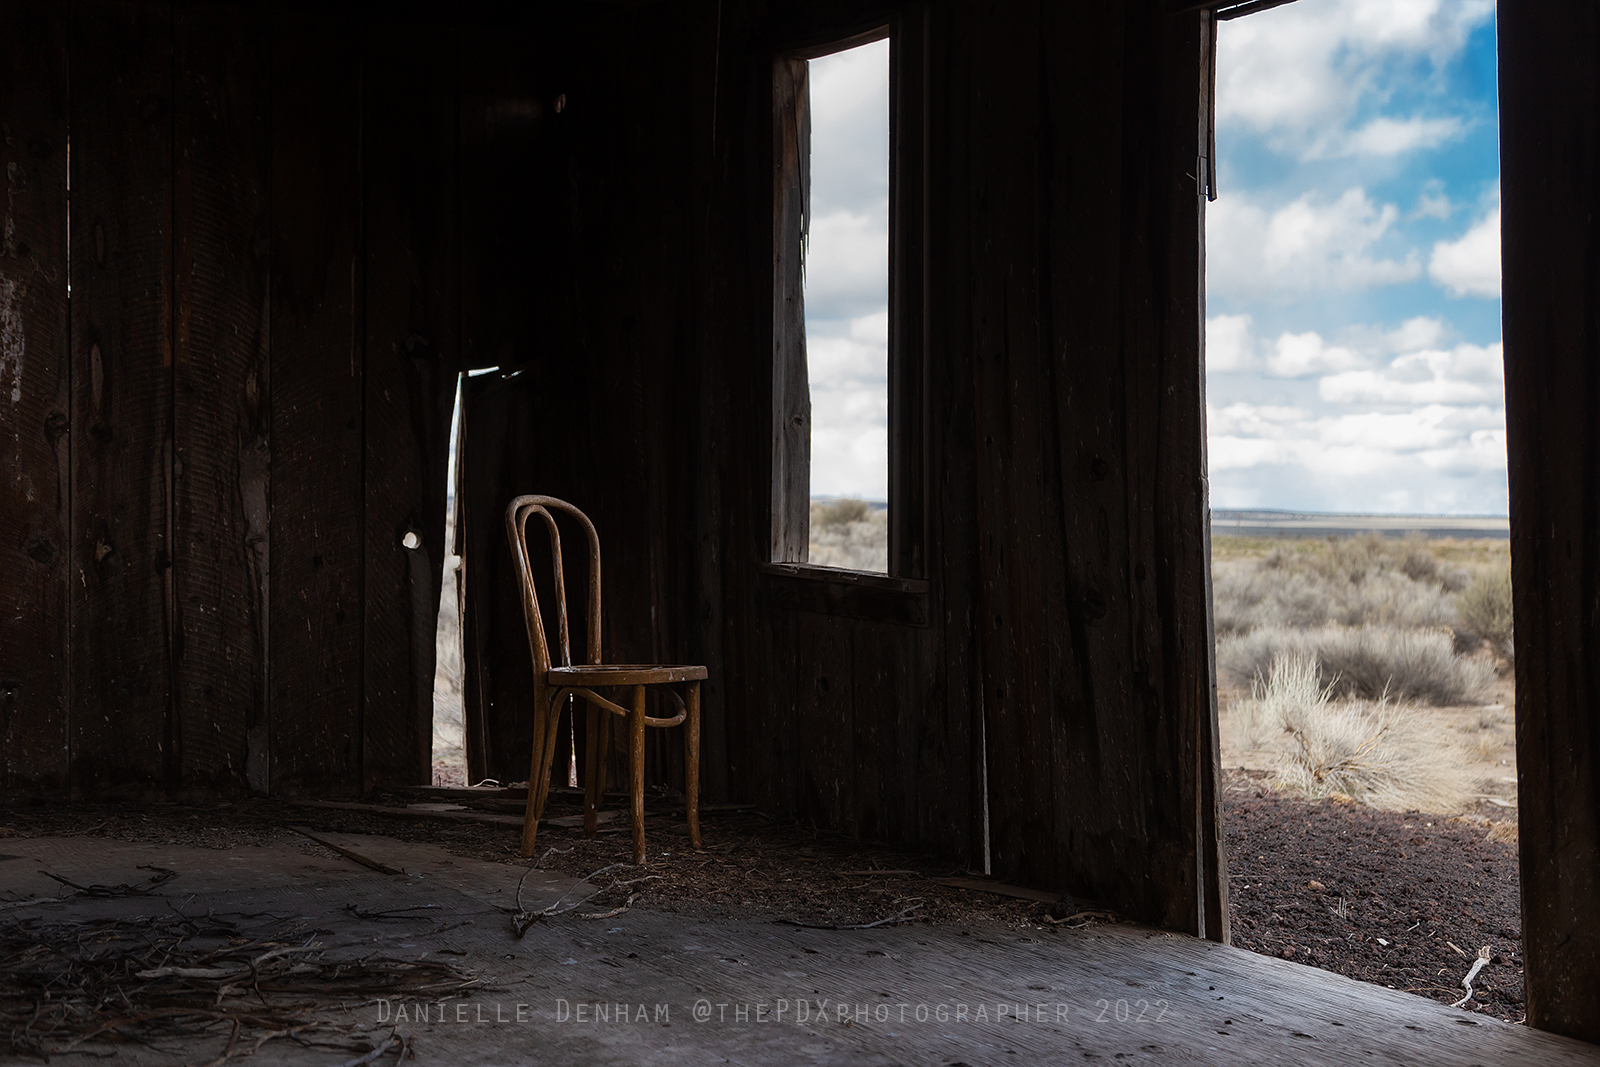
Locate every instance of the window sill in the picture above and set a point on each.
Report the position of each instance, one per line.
(848, 594)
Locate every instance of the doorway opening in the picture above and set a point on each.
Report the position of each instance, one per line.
(449, 701)
(1360, 554)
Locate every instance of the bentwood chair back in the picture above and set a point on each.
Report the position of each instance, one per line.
(555, 682)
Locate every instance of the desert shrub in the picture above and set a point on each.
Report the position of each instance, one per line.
(1293, 682)
(1484, 608)
(850, 534)
(1370, 661)
(1379, 753)
(1375, 752)
(840, 512)
(1359, 581)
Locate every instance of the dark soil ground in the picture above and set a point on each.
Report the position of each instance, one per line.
(1399, 900)
(1404, 901)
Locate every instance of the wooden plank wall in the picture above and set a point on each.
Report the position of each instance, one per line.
(224, 437)
(1064, 611)
(35, 382)
(252, 451)
(1550, 185)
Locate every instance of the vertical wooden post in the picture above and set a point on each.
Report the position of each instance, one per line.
(315, 627)
(221, 396)
(1550, 174)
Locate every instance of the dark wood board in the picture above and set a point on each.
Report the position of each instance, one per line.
(499, 426)
(412, 327)
(35, 377)
(317, 360)
(123, 733)
(221, 396)
(508, 199)
(1084, 732)
(1550, 166)
(825, 720)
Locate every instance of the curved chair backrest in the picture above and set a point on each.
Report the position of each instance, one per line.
(517, 513)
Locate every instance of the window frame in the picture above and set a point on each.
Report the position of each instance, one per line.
(907, 371)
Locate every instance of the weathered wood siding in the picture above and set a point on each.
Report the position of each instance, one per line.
(1550, 175)
(293, 227)
(1048, 310)
(36, 540)
(216, 447)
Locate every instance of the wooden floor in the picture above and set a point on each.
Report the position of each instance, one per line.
(653, 987)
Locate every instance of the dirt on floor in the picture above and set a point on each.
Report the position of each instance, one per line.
(1402, 900)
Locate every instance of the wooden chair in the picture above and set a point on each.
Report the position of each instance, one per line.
(553, 684)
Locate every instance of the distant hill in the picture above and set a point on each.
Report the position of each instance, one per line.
(1270, 523)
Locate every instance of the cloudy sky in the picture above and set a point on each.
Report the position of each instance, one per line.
(1353, 263)
(847, 274)
(1354, 260)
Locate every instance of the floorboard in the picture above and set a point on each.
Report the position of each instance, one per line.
(742, 990)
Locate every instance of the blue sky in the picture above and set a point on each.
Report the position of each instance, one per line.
(1353, 263)
(1353, 277)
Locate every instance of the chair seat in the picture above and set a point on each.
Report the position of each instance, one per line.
(602, 674)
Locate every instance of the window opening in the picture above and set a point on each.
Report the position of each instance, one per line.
(844, 203)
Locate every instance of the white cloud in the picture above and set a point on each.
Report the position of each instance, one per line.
(1303, 245)
(1414, 426)
(1416, 334)
(1230, 347)
(850, 129)
(1296, 355)
(847, 264)
(1299, 73)
(1466, 374)
(1470, 265)
(848, 364)
(1433, 204)
(1389, 137)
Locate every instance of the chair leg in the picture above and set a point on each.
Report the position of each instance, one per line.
(636, 771)
(547, 765)
(594, 767)
(691, 761)
(533, 808)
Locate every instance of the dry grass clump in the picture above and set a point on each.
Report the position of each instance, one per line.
(850, 534)
(1277, 695)
(1367, 662)
(1375, 752)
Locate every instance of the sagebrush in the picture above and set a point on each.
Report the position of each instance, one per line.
(1381, 752)
(1366, 661)
(850, 534)
(1405, 616)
